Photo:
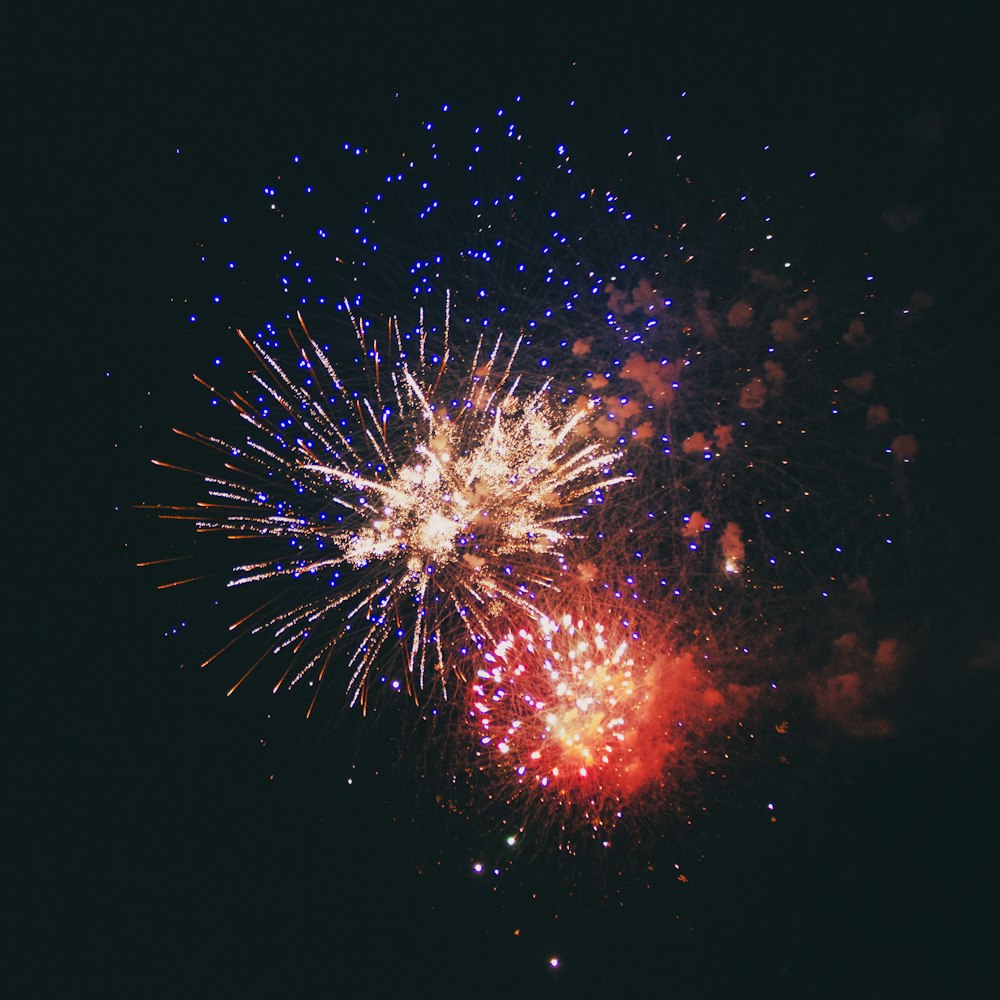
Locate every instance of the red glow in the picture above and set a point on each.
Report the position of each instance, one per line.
(580, 708)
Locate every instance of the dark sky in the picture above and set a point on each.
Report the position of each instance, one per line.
(153, 854)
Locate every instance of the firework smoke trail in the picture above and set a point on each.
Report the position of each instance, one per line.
(439, 497)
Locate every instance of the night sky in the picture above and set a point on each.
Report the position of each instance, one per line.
(170, 841)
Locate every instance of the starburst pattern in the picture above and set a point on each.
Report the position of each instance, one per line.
(421, 508)
(561, 700)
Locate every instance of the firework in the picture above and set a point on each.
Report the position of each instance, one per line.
(591, 712)
(419, 507)
(434, 498)
(561, 701)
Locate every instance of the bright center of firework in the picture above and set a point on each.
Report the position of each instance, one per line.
(562, 703)
(422, 524)
(483, 487)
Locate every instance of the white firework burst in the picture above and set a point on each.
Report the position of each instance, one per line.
(416, 510)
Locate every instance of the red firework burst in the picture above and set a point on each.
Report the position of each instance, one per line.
(580, 706)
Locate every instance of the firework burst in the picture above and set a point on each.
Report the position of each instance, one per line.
(433, 504)
(562, 701)
(416, 505)
(598, 710)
